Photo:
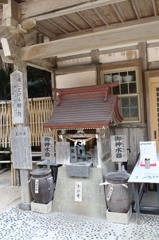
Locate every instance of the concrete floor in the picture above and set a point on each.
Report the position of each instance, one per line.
(16, 224)
(9, 195)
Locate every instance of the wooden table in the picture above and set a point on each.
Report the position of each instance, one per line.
(143, 175)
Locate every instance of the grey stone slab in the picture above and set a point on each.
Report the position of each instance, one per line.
(63, 152)
(79, 169)
(25, 206)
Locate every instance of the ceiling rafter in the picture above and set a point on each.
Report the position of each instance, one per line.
(117, 13)
(56, 25)
(100, 16)
(44, 31)
(133, 2)
(70, 22)
(85, 19)
(50, 9)
(154, 8)
(109, 27)
(119, 10)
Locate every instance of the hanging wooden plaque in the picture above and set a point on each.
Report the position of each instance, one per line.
(17, 97)
(47, 148)
(21, 148)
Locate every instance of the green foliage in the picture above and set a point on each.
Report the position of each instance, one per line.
(39, 83)
(4, 84)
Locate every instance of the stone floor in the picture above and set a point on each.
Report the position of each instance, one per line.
(16, 224)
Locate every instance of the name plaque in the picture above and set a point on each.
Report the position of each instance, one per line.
(16, 80)
(47, 147)
(21, 148)
(119, 148)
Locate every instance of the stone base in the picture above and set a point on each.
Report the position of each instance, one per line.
(93, 197)
(41, 208)
(25, 206)
(119, 217)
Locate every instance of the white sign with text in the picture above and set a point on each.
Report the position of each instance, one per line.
(16, 79)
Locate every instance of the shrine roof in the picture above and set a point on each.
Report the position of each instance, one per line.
(84, 107)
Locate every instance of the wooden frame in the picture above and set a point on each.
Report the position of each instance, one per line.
(126, 66)
(148, 75)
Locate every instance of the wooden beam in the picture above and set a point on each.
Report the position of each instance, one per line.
(41, 10)
(43, 64)
(42, 30)
(95, 56)
(11, 19)
(144, 61)
(154, 8)
(112, 50)
(121, 49)
(11, 10)
(10, 51)
(3, 1)
(153, 65)
(125, 35)
(109, 27)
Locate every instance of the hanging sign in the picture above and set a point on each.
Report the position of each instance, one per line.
(119, 148)
(21, 148)
(47, 148)
(17, 97)
(148, 151)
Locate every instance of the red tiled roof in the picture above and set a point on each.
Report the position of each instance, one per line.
(83, 108)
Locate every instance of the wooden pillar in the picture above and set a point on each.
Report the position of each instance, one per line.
(21, 66)
(95, 59)
(143, 57)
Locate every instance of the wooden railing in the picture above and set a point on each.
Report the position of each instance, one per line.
(40, 110)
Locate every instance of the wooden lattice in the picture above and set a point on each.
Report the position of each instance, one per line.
(40, 110)
(5, 123)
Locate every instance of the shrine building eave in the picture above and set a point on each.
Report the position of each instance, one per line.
(84, 107)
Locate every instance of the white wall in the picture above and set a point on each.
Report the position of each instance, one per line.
(153, 54)
(76, 79)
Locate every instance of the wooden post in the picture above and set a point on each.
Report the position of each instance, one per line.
(143, 57)
(19, 65)
(24, 174)
(95, 59)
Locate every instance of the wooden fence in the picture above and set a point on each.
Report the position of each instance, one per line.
(40, 110)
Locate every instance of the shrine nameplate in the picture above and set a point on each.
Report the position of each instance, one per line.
(47, 147)
(62, 153)
(21, 148)
(119, 148)
(17, 97)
